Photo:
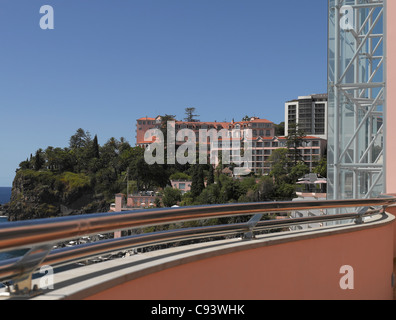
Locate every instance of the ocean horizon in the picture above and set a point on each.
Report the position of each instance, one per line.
(5, 195)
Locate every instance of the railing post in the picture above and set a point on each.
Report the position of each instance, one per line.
(361, 213)
(251, 224)
(27, 265)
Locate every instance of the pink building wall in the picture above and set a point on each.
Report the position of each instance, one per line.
(305, 269)
(119, 202)
(183, 185)
(142, 125)
(390, 96)
(136, 201)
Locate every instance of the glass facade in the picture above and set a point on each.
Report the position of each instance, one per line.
(356, 99)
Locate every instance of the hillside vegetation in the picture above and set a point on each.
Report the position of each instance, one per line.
(85, 176)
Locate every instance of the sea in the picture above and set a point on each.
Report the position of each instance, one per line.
(5, 194)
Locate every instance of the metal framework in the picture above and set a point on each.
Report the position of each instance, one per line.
(356, 87)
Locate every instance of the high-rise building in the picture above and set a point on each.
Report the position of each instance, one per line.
(309, 113)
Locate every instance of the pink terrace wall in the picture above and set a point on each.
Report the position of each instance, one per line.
(299, 269)
(390, 57)
(390, 96)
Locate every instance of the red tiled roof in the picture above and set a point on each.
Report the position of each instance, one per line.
(216, 123)
(145, 118)
(259, 120)
(306, 137)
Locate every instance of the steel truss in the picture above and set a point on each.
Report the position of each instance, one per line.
(356, 90)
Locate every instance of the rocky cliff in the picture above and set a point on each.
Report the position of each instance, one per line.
(44, 194)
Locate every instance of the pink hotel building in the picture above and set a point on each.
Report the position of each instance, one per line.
(263, 134)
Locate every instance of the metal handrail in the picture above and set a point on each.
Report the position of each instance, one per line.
(59, 229)
(34, 233)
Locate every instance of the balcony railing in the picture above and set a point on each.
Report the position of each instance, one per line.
(40, 236)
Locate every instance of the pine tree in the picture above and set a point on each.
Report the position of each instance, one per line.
(190, 116)
(294, 141)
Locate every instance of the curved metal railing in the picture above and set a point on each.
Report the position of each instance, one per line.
(40, 236)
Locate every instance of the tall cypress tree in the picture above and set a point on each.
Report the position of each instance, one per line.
(38, 160)
(95, 147)
(211, 177)
(198, 183)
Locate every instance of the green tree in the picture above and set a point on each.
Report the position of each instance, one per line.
(266, 189)
(163, 127)
(80, 139)
(280, 163)
(298, 171)
(190, 116)
(321, 168)
(210, 195)
(294, 141)
(157, 202)
(211, 176)
(198, 183)
(171, 197)
(25, 165)
(95, 147)
(230, 189)
(247, 183)
(246, 118)
(38, 160)
(284, 191)
(280, 129)
(179, 176)
(284, 174)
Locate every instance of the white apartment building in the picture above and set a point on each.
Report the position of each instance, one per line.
(310, 113)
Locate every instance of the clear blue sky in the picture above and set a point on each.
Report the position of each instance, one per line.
(110, 62)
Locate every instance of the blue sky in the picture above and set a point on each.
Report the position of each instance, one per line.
(110, 62)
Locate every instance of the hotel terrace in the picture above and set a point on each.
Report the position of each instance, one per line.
(349, 254)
